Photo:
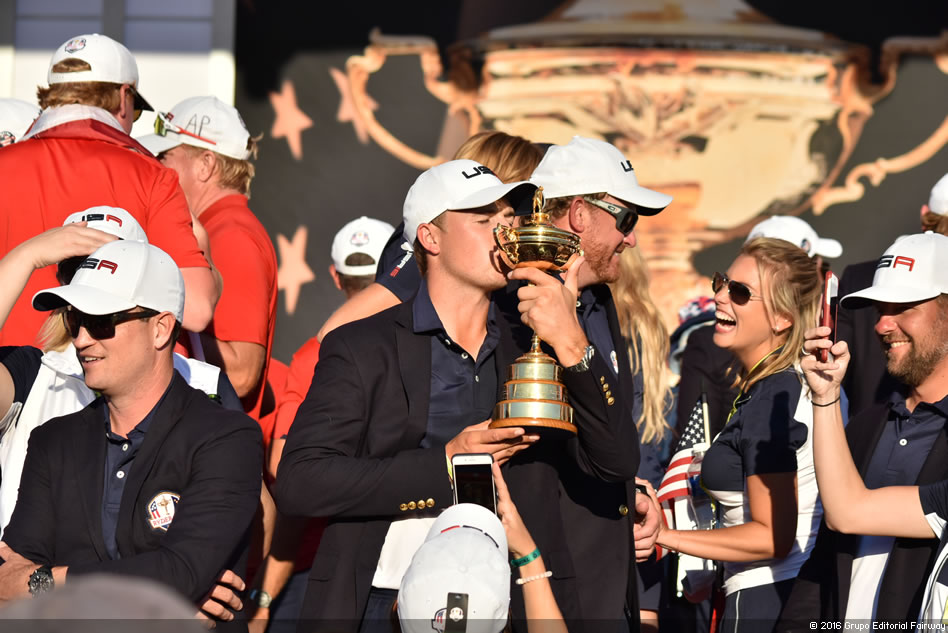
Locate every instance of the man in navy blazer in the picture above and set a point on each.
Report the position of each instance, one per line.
(395, 395)
(152, 479)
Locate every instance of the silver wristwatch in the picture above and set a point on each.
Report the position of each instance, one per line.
(583, 363)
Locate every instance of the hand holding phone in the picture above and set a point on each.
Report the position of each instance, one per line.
(828, 309)
(474, 480)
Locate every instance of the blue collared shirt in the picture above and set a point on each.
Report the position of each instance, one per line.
(906, 441)
(119, 455)
(463, 391)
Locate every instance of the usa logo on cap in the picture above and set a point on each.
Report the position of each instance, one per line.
(6, 138)
(75, 45)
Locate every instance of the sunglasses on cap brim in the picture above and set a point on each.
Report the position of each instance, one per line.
(163, 125)
(739, 293)
(101, 326)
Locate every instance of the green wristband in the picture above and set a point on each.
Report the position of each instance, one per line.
(520, 562)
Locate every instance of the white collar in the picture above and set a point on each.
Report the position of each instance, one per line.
(51, 117)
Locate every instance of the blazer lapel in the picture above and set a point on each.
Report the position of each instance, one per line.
(414, 364)
(165, 418)
(88, 468)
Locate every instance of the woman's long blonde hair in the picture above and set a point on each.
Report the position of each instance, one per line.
(647, 337)
(791, 286)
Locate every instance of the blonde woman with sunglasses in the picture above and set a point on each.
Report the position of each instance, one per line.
(759, 469)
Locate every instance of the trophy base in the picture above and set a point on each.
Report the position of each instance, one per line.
(546, 429)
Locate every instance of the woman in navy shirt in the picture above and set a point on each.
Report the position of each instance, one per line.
(759, 469)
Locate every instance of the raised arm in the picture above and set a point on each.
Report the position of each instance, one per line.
(849, 506)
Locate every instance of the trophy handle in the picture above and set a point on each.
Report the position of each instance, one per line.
(507, 246)
(359, 67)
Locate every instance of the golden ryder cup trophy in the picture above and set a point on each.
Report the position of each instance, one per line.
(534, 397)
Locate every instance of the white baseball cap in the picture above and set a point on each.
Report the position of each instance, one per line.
(455, 186)
(205, 122)
(16, 117)
(364, 235)
(938, 200)
(119, 276)
(465, 552)
(586, 166)
(799, 233)
(112, 220)
(110, 62)
(915, 268)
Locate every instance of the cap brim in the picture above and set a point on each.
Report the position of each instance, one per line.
(469, 515)
(826, 247)
(517, 191)
(83, 298)
(158, 144)
(887, 294)
(141, 103)
(647, 201)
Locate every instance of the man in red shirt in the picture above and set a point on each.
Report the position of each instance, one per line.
(205, 141)
(77, 155)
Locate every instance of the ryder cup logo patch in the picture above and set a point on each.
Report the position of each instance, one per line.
(359, 238)
(75, 45)
(161, 510)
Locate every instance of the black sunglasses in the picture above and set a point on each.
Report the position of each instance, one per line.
(101, 326)
(625, 217)
(740, 294)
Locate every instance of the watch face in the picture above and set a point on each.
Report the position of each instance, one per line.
(41, 581)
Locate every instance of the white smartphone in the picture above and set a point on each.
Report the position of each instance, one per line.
(474, 480)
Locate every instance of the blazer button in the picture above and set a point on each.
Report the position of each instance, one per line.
(610, 400)
(412, 505)
(623, 509)
(602, 379)
(421, 504)
(605, 386)
(403, 507)
(431, 503)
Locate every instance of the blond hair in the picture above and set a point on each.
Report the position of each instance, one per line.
(511, 158)
(791, 287)
(642, 326)
(53, 335)
(100, 94)
(232, 173)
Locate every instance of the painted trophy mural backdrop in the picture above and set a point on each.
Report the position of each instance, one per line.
(735, 115)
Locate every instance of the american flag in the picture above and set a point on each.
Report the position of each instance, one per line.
(673, 491)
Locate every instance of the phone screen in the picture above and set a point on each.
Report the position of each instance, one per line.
(474, 483)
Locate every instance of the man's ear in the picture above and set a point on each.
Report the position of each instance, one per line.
(164, 328)
(206, 165)
(335, 276)
(578, 215)
(428, 237)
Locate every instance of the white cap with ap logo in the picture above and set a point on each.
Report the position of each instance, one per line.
(915, 268)
(219, 126)
(456, 185)
(119, 276)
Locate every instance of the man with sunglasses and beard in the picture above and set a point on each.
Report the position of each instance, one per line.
(78, 154)
(151, 479)
(591, 190)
